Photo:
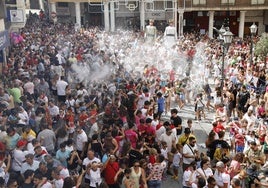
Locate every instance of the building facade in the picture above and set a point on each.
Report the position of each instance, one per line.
(189, 15)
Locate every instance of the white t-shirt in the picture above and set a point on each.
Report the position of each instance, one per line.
(186, 177)
(186, 150)
(58, 183)
(87, 161)
(61, 87)
(93, 130)
(80, 140)
(54, 110)
(29, 87)
(168, 140)
(159, 132)
(95, 177)
(206, 173)
(18, 159)
(222, 178)
(46, 185)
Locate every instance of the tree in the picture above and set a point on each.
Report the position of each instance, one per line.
(261, 48)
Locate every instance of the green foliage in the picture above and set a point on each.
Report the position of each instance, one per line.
(261, 48)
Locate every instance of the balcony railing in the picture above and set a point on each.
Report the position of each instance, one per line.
(224, 3)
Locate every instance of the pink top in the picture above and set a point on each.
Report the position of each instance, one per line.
(234, 166)
(132, 136)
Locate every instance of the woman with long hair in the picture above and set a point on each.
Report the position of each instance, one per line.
(209, 141)
(138, 175)
(205, 171)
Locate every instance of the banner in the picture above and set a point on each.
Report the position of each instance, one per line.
(4, 39)
(17, 16)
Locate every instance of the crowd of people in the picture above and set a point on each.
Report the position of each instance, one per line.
(74, 114)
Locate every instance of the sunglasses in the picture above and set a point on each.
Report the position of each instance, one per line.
(136, 165)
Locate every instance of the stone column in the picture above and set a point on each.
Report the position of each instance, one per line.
(106, 16)
(180, 27)
(142, 15)
(53, 7)
(78, 13)
(210, 24)
(175, 16)
(241, 24)
(41, 5)
(112, 16)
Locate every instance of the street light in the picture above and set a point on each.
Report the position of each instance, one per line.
(227, 37)
(253, 30)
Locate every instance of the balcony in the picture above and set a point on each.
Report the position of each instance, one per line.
(224, 4)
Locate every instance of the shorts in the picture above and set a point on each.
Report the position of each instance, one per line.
(240, 149)
(200, 109)
(175, 167)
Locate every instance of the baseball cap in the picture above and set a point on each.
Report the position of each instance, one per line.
(187, 130)
(21, 143)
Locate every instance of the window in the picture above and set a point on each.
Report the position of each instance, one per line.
(257, 2)
(63, 4)
(11, 2)
(199, 2)
(228, 2)
(34, 4)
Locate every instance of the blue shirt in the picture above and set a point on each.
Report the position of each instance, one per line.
(161, 104)
(63, 156)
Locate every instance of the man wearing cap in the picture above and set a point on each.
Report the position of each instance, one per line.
(170, 35)
(150, 32)
(221, 176)
(29, 164)
(184, 139)
(19, 156)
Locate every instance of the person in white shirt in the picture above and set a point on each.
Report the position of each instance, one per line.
(23, 116)
(161, 129)
(189, 176)
(204, 170)
(169, 138)
(61, 86)
(80, 141)
(94, 172)
(57, 179)
(54, 110)
(222, 178)
(29, 86)
(19, 156)
(94, 129)
(251, 118)
(88, 161)
(29, 164)
(189, 153)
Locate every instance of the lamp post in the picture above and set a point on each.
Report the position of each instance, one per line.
(227, 36)
(253, 30)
